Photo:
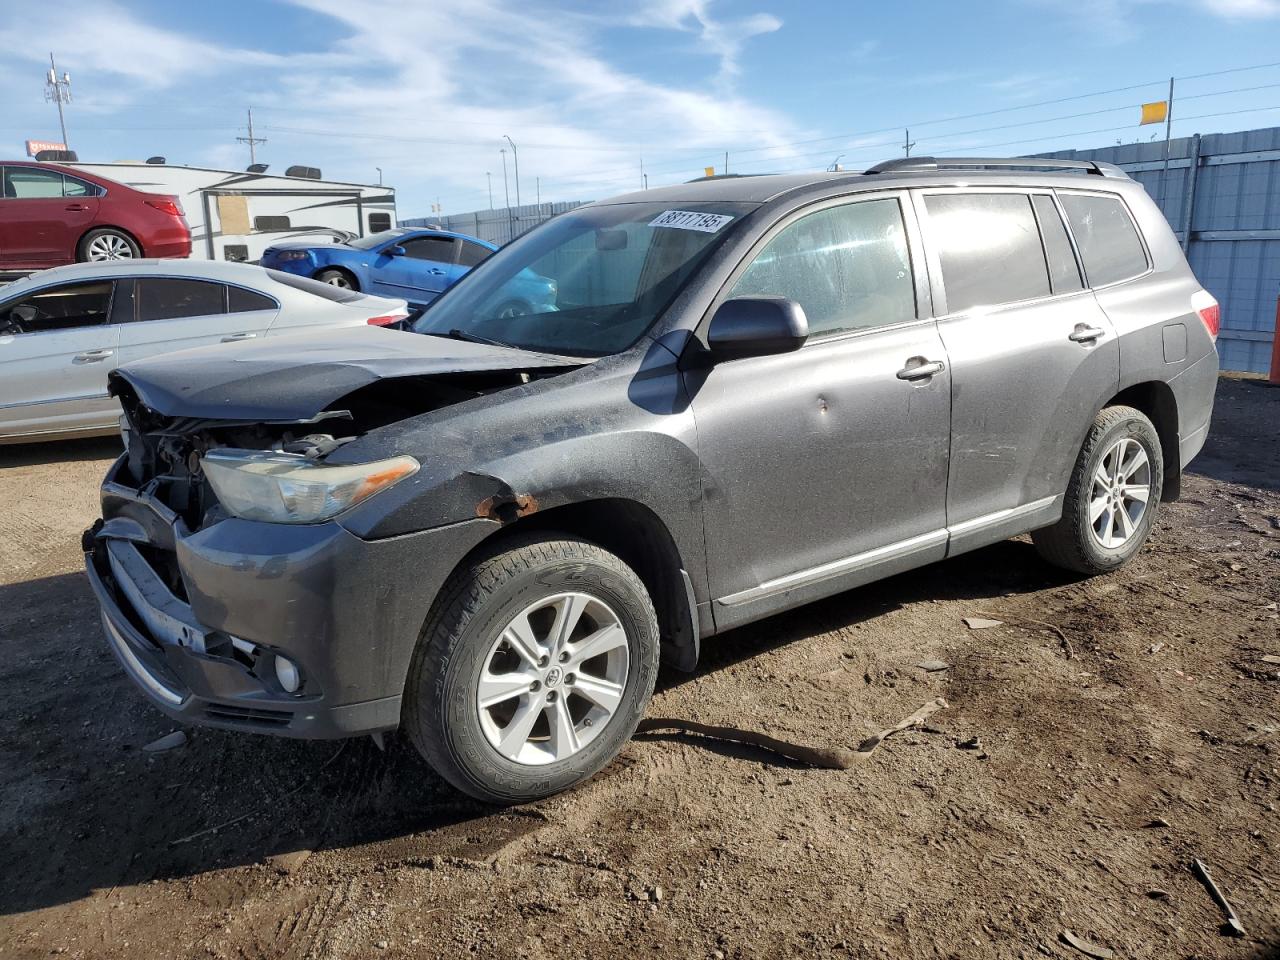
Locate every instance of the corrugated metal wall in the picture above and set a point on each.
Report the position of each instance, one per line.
(1225, 189)
(497, 226)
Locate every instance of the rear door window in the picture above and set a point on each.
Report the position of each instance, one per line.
(438, 249)
(171, 298)
(989, 247)
(847, 266)
(1108, 241)
(472, 253)
(71, 187)
(58, 308)
(1064, 272)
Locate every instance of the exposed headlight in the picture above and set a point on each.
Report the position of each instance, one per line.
(289, 488)
(291, 255)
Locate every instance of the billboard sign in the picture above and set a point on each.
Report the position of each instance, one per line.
(35, 146)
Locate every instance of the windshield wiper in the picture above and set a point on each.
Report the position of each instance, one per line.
(457, 333)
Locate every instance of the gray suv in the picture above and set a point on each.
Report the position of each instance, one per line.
(747, 393)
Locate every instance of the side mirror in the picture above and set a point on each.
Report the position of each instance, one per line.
(757, 327)
(395, 250)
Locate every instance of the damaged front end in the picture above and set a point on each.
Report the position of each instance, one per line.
(229, 592)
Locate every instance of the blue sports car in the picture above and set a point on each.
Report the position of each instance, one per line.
(415, 264)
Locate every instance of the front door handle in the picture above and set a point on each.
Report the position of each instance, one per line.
(239, 336)
(918, 368)
(92, 356)
(438, 273)
(1083, 333)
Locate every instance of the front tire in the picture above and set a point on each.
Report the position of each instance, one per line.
(1112, 498)
(533, 669)
(105, 244)
(338, 278)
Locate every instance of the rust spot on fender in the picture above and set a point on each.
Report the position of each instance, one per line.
(506, 507)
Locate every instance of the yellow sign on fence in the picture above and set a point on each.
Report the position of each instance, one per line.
(709, 171)
(1154, 112)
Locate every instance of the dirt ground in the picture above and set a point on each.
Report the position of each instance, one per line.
(1126, 725)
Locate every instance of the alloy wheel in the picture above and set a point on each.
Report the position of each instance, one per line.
(553, 679)
(109, 246)
(1119, 493)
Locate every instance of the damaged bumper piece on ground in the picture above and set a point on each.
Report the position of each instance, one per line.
(343, 612)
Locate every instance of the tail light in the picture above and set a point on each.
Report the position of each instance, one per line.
(387, 320)
(1203, 303)
(166, 205)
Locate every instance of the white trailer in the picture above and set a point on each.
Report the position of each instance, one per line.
(236, 215)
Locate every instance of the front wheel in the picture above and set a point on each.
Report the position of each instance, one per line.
(533, 669)
(1112, 498)
(338, 278)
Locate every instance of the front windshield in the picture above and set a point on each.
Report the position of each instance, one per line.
(589, 283)
(376, 239)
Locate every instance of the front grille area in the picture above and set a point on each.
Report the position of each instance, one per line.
(248, 716)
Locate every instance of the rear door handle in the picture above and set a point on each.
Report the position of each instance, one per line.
(76, 206)
(918, 368)
(239, 336)
(1085, 334)
(92, 356)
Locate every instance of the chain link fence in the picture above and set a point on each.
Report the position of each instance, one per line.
(499, 226)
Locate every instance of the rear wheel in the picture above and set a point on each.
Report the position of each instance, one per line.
(1111, 500)
(106, 243)
(338, 278)
(533, 669)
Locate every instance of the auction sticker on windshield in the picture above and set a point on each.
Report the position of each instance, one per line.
(684, 220)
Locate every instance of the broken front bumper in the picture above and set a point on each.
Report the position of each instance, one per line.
(346, 611)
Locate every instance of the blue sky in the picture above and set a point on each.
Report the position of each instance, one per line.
(588, 90)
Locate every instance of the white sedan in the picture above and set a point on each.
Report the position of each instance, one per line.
(63, 330)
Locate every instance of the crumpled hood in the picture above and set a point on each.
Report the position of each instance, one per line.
(298, 376)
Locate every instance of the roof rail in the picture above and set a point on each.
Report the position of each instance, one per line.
(922, 164)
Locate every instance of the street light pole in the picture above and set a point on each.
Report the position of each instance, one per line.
(489, 176)
(515, 157)
(379, 169)
(506, 193)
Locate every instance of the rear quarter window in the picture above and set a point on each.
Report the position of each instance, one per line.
(1106, 237)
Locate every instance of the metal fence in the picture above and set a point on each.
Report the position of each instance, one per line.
(497, 226)
(1221, 195)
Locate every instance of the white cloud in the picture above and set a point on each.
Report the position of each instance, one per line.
(427, 91)
(1242, 9)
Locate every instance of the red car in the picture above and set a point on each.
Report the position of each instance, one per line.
(51, 215)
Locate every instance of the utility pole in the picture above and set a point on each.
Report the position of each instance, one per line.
(907, 143)
(253, 142)
(515, 158)
(1168, 129)
(643, 178)
(58, 89)
(726, 161)
(537, 186)
(489, 176)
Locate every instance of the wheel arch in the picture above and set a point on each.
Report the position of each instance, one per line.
(341, 268)
(640, 538)
(1156, 400)
(142, 250)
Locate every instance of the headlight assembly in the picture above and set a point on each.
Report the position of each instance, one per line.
(290, 488)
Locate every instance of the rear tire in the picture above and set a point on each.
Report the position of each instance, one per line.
(584, 706)
(1112, 498)
(338, 278)
(107, 243)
